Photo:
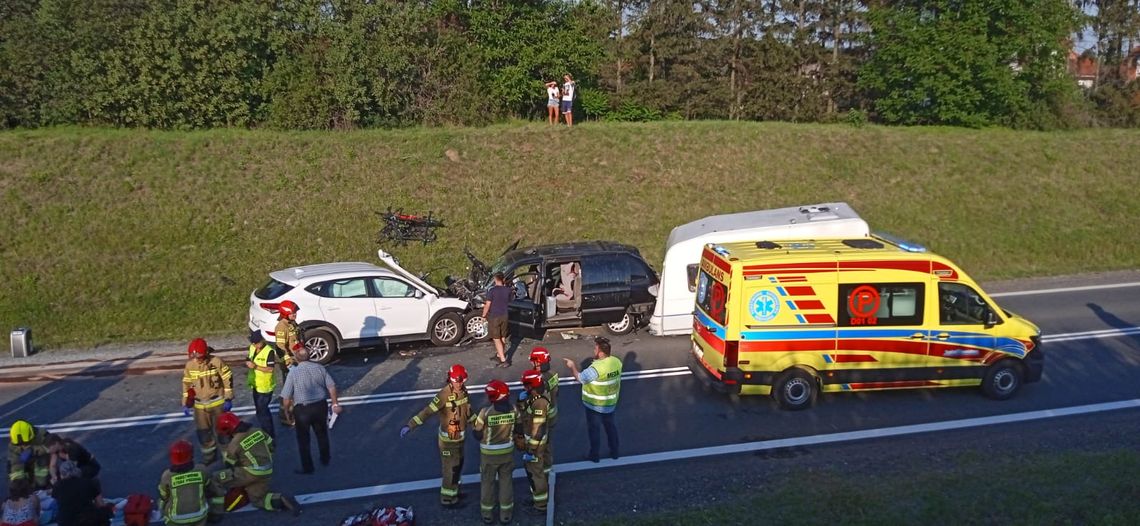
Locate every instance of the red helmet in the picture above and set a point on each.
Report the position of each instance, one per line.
(540, 355)
(228, 423)
(497, 390)
(197, 348)
(235, 498)
(532, 378)
(457, 373)
(181, 452)
(287, 308)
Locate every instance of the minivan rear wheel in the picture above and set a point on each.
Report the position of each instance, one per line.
(625, 325)
(322, 345)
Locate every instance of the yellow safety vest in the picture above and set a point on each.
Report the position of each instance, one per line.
(260, 381)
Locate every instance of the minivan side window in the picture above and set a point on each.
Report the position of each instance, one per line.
(959, 304)
(880, 304)
(605, 270)
(691, 272)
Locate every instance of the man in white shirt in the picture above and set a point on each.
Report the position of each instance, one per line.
(568, 89)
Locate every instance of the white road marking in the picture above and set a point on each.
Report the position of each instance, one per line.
(420, 394)
(1065, 289)
(166, 418)
(550, 498)
(748, 447)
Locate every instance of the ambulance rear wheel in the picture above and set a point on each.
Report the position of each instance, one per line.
(795, 389)
(1002, 380)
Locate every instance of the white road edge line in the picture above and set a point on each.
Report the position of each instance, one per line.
(1065, 289)
(131, 421)
(550, 499)
(747, 447)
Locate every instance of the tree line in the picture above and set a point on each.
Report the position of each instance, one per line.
(340, 64)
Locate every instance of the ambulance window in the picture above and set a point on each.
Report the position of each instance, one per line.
(880, 304)
(712, 297)
(959, 304)
(691, 270)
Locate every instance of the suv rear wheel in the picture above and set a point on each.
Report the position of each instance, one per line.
(625, 325)
(446, 329)
(322, 345)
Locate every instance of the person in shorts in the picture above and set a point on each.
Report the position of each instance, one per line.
(495, 312)
(552, 95)
(568, 89)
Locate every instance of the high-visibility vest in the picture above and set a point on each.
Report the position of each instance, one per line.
(260, 381)
(603, 392)
(184, 496)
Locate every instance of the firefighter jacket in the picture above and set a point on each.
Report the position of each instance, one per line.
(182, 494)
(535, 421)
(287, 335)
(496, 425)
(212, 381)
(452, 405)
(550, 380)
(40, 459)
(250, 449)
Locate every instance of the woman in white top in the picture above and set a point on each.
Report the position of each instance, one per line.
(552, 95)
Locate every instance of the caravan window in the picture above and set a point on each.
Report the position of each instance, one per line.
(692, 273)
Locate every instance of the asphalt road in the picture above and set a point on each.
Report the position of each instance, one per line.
(663, 409)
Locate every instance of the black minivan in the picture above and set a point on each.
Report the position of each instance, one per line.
(579, 284)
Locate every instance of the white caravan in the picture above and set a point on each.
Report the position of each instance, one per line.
(673, 313)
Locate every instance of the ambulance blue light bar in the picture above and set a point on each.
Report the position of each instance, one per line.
(901, 243)
(719, 250)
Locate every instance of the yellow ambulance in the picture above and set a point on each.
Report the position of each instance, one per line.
(793, 318)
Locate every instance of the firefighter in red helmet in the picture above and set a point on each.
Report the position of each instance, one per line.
(287, 336)
(185, 491)
(454, 410)
(249, 465)
(208, 391)
(494, 427)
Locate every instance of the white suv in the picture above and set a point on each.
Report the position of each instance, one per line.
(345, 305)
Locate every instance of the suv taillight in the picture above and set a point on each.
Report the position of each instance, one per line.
(271, 307)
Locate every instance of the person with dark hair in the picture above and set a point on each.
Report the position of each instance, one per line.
(80, 499)
(495, 312)
(63, 449)
(568, 89)
(601, 384)
(22, 508)
(261, 381)
(306, 395)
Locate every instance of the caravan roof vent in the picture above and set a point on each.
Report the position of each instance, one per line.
(767, 245)
(818, 213)
(863, 243)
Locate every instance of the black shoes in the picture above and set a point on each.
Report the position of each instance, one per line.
(291, 504)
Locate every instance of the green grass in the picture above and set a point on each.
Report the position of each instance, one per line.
(1067, 488)
(113, 235)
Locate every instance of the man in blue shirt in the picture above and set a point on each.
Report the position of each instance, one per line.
(495, 312)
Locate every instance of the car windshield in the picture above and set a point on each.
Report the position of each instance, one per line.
(499, 266)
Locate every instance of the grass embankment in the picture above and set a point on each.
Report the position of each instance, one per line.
(1067, 488)
(135, 235)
